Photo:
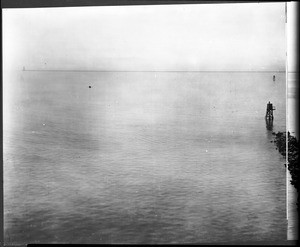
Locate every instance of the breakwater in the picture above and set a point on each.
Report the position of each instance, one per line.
(293, 150)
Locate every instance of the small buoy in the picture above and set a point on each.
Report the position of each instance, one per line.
(90, 86)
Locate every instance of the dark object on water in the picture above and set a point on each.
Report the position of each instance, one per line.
(269, 112)
(90, 86)
(269, 124)
(273, 77)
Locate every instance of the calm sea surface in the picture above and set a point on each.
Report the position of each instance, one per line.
(142, 157)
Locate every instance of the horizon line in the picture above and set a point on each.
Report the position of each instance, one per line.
(187, 71)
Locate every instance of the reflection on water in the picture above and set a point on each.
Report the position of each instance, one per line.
(142, 158)
(269, 123)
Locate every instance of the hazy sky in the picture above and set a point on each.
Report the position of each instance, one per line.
(163, 37)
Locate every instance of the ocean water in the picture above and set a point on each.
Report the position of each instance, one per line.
(142, 157)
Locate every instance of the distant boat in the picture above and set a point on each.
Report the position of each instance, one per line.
(23, 68)
(273, 77)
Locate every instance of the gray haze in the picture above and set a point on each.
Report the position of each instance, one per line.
(164, 37)
(146, 157)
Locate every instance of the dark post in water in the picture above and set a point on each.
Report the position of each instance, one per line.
(269, 112)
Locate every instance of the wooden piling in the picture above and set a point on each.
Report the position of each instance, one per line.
(269, 112)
